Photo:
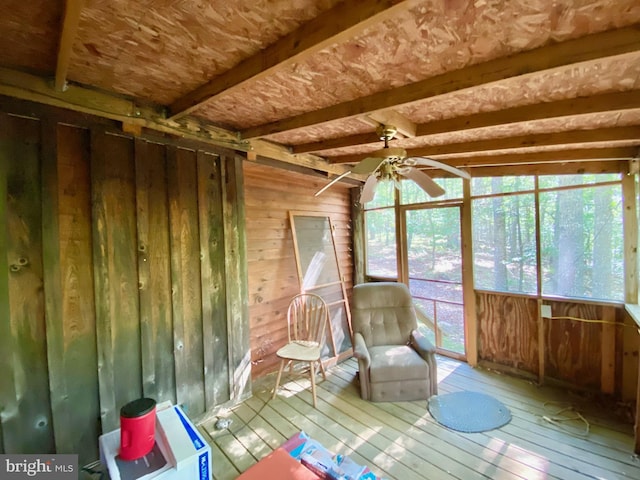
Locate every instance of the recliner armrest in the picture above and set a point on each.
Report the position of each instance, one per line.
(360, 350)
(421, 344)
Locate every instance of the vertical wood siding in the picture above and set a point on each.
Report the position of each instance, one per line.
(24, 384)
(123, 274)
(115, 274)
(71, 318)
(214, 309)
(270, 193)
(185, 268)
(154, 272)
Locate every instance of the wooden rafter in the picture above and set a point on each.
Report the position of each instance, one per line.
(574, 106)
(574, 167)
(559, 156)
(591, 47)
(390, 117)
(72, 9)
(37, 89)
(343, 21)
(522, 141)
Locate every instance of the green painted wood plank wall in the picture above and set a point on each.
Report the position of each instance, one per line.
(122, 274)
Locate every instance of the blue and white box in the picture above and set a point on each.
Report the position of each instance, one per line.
(180, 452)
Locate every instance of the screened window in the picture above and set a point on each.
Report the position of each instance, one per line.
(380, 228)
(504, 243)
(582, 242)
(580, 245)
(411, 193)
(493, 185)
(581, 239)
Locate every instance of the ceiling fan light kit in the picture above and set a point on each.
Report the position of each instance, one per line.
(392, 164)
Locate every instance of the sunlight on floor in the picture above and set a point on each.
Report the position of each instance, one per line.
(444, 372)
(530, 465)
(292, 387)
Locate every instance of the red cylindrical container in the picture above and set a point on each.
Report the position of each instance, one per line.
(137, 428)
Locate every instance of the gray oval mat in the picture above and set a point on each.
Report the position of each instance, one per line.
(469, 411)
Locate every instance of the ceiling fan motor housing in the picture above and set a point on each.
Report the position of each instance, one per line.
(391, 154)
(386, 132)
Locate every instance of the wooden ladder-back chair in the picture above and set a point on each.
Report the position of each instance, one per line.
(307, 320)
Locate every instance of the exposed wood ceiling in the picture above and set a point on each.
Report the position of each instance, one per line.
(479, 84)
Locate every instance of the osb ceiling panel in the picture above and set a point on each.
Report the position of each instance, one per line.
(612, 74)
(29, 45)
(335, 129)
(160, 49)
(430, 39)
(622, 118)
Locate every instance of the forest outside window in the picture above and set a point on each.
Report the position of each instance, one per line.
(504, 234)
(578, 252)
(581, 235)
(380, 228)
(580, 242)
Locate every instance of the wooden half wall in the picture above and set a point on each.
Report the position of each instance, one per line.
(270, 193)
(122, 274)
(585, 345)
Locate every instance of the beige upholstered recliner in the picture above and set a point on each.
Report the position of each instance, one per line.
(396, 361)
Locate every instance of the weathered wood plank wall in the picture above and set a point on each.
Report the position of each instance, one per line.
(68, 267)
(270, 193)
(24, 388)
(154, 272)
(123, 274)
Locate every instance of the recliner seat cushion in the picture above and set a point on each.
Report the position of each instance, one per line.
(395, 363)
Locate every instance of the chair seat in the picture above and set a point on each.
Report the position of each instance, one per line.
(307, 317)
(391, 363)
(300, 351)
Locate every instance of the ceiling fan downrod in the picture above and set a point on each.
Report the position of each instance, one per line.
(386, 133)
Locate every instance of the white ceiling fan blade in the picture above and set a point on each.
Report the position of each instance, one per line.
(368, 165)
(428, 162)
(424, 181)
(369, 189)
(337, 179)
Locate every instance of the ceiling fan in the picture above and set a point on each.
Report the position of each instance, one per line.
(391, 163)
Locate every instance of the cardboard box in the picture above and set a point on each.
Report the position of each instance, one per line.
(278, 465)
(180, 452)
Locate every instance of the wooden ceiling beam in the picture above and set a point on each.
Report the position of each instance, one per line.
(37, 89)
(71, 18)
(404, 126)
(558, 156)
(590, 47)
(574, 106)
(611, 134)
(339, 142)
(346, 20)
(577, 167)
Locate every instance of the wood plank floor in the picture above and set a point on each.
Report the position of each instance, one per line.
(402, 441)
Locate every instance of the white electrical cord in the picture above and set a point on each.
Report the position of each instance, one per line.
(558, 420)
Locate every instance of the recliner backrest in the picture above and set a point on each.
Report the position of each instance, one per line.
(383, 313)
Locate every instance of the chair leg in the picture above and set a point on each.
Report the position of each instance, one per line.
(312, 372)
(324, 374)
(275, 390)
